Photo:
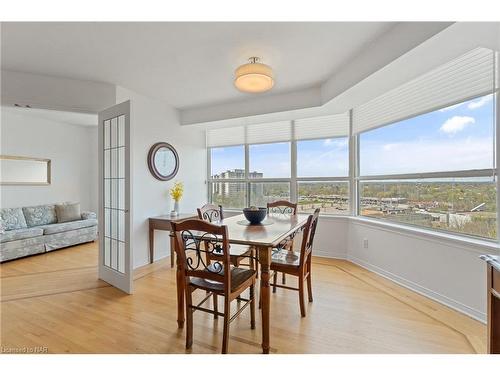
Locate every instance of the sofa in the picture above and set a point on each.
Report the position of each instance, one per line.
(33, 230)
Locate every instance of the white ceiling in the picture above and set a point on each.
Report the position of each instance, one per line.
(186, 64)
(73, 118)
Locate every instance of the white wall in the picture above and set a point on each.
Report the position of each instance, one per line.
(447, 270)
(70, 148)
(154, 121)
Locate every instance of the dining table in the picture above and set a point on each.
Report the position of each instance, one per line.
(274, 230)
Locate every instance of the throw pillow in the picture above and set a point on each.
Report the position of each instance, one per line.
(68, 212)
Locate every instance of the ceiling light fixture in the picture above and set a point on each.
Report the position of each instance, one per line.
(254, 77)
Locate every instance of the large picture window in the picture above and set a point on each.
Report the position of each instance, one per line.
(435, 170)
(306, 162)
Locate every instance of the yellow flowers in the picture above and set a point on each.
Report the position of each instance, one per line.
(176, 191)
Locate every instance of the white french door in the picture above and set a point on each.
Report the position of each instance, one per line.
(115, 258)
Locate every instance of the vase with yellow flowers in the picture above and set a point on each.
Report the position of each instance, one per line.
(176, 192)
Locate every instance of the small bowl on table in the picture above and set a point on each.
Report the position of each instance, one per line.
(255, 215)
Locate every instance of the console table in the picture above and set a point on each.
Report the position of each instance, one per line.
(164, 223)
(493, 290)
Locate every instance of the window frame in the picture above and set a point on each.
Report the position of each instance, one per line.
(293, 180)
(471, 173)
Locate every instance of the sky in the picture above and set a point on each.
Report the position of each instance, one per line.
(458, 137)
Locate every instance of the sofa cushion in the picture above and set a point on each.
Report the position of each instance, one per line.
(40, 215)
(65, 227)
(21, 248)
(12, 218)
(68, 212)
(20, 234)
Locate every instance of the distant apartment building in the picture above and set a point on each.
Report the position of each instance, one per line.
(227, 188)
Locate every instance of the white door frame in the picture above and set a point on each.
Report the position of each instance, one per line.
(121, 280)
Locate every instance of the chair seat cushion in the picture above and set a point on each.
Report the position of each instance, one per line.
(20, 234)
(284, 258)
(238, 277)
(65, 227)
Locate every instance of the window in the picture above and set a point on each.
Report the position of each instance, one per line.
(435, 170)
(228, 194)
(323, 157)
(270, 160)
(330, 197)
(226, 159)
(282, 163)
(262, 193)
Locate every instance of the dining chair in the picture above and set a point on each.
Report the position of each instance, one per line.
(192, 238)
(297, 264)
(212, 213)
(283, 207)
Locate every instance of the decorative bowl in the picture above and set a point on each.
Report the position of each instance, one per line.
(255, 215)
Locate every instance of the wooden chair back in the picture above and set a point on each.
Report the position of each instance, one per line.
(282, 207)
(194, 237)
(211, 213)
(308, 236)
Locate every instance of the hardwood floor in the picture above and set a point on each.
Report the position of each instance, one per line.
(55, 301)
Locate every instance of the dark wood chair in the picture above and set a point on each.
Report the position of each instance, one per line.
(192, 238)
(298, 265)
(285, 208)
(213, 214)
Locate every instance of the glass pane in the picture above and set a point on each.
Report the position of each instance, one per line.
(107, 193)
(228, 162)
(229, 194)
(463, 205)
(330, 197)
(121, 225)
(121, 130)
(121, 257)
(114, 254)
(107, 130)
(121, 194)
(459, 137)
(114, 163)
(323, 158)
(107, 164)
(107, 251)
(114, 224)
(262, 193)
(114, 194)
(270, 160)
(114, 132)
(107, 218)
(121, 162)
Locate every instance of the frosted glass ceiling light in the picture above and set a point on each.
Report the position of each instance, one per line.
(254, 77)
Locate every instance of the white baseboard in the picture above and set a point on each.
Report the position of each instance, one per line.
(458, 306)
(329, 254)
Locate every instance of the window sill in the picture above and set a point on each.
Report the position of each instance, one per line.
(472, 244)
(468, 243)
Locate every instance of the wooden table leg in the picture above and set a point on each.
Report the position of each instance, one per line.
(172, 251)
(180, 296)
(265, 295)
(151, 245)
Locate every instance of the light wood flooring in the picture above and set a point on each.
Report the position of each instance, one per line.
(55, 301)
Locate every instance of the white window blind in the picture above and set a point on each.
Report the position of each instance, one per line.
(226, 136)
(269, 132)
(322, 127)
(463, 78)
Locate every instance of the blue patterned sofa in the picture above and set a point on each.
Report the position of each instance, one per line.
(34, 230)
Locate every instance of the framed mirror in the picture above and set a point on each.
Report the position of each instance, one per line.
(22, 170)
(163, 161)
